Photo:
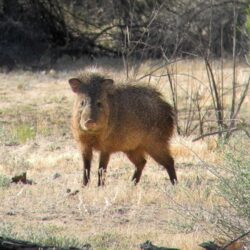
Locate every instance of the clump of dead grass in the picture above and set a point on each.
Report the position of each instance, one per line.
(118, 216)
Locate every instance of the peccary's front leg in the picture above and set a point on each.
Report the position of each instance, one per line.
(103, 163)
(87, 157)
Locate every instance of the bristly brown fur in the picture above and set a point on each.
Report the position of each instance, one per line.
(133, 119)
(91, 77)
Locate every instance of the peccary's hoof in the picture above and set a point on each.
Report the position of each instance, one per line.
(174, 181)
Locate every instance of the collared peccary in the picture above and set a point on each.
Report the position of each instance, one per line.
(130, 119)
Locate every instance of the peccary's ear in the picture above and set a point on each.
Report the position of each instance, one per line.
(108, 85)
(75, 85)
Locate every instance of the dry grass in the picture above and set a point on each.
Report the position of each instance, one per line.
(35, 137)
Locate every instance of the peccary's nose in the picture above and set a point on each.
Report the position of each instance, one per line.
(90, 124)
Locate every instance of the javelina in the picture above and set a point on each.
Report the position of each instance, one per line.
(131, 119)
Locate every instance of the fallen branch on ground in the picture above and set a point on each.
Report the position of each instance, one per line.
(223, 131)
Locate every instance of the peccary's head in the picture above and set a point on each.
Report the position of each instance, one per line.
(91, 108)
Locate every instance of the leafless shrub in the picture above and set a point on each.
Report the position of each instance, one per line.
(195, 113)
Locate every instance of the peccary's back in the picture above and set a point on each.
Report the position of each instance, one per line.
(142, 109)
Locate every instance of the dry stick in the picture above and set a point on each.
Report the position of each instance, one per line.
(222, 72)
(234, 64)
(155, 13)
(167, 62)
(156, 69)
(190, 112)
(210, 86)
(174, 97)
(125, 51)
(201, 120)
(232, 114)
(136, 43)
(199, 114)
(184, 74)
(127, 37)
(222, 131)
(210, 28)
(212, 133)
(237, 87)
(247, 62)
(212, 82)
(188, 105)
(231, 242)
(242, 98)
(216, 98)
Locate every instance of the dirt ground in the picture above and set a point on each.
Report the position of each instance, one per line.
(35, 111)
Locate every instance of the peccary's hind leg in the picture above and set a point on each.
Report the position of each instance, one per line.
(137, 157)
(87, 157)
(171, 170)
(161, 154)
(103, 163)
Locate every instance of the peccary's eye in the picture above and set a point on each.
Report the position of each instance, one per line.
(83, 102)
(99, 104)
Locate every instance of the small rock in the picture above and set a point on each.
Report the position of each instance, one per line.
(10, 213)
(87, 247)
(55, 176)
(74, 193)
(52, 72)
(21, 179)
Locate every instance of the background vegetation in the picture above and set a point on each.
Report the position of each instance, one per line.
(32, 31)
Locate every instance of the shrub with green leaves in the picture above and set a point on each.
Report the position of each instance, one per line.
(226, 215)
(234, 187)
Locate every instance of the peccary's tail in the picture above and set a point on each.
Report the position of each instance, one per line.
(170, 120)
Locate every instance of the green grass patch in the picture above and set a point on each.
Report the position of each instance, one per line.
(17, 126)
(24, 132)
(44, 236)
(4, 181)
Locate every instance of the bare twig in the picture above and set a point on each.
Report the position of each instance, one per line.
(233, 241)
(215, 95)
(234, 67)
(247, 61)
(174, 98)
(156, 69)
(222, 71)
(222, 131)
(242, 98)
(199, 114)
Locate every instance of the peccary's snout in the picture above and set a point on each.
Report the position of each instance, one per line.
(90, 124)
